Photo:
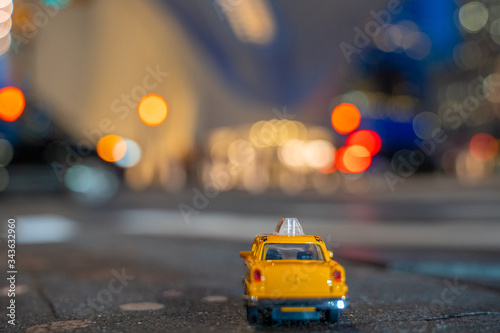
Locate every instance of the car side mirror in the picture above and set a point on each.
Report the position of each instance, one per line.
(330, 254)
(245, 254)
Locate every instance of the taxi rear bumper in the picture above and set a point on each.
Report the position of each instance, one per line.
(296, 309)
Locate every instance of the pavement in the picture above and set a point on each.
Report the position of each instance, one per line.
(415, 261)
(86, 285)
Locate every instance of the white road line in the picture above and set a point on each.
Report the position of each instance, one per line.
(36, 229)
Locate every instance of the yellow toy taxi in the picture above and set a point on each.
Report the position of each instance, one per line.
(291, 276)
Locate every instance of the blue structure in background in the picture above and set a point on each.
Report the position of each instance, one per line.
(437, 20)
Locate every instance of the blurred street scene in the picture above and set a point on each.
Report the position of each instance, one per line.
(143, 144)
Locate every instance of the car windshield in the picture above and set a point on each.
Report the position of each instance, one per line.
(275, 251)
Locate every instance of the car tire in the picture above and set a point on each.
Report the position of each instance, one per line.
(333, 316)
(253, 316)
(267, 319)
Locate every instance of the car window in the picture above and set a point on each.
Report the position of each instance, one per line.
(281, 251)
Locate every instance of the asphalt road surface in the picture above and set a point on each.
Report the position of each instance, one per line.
(196, 283)
(136, 265)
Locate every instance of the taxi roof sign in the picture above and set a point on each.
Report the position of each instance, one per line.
(289, 226)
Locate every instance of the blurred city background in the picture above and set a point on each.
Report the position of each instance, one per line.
(250, 88)
(375, 122)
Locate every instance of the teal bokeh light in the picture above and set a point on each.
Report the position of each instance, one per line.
(58, 4)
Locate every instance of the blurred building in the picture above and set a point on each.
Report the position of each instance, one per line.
(229, 69)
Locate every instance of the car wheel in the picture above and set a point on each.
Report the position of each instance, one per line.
(253, 316)
(267, 319)
(333, 316)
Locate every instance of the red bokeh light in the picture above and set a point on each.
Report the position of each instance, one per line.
(365, 138)
(483, 147)
(353, 159)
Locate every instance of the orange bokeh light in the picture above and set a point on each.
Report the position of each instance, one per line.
(328, 169)
(365, 138)
(353, 159)
(153, 109)
(111, 148)
(331, 167)
(12, 103)
(339, 159)
(483, 147)
(345, 118)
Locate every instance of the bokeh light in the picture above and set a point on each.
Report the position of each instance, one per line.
(5, 3)
(111, 148)
(91, 184)
(356, 159)
(319, 154)
(491, 87)
(405, 36)
(365, 138)
(153, 109)
(58, 4)
(5, 26)
(251, 21)
(6, 152)
(78, 178)
(345, 118)
(339, 159)
(417, 45)
(241, 152)
(5, 44)
(132, 155)
(353, 159)
(426, 125)
(6, 12)
(329, 168)
(468, 55)
(292, 153)
(7, 6)
(388, 38)
(276, 132)
(358, 98)
(473, 16)
(471, 170)
(255, 180)
(12, 103)
(495, 31)
(483, 147)
(219, 143)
